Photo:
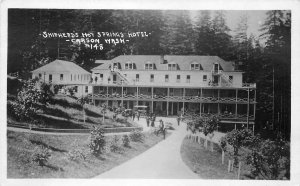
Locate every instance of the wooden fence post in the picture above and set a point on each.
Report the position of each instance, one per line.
(229, 165)
(239, 170)
(223, 154)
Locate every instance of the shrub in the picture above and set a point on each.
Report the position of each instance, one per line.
(41, 155)
(270, 159)
(77, 153)
(136, 136)
(126, 141)
(114, 145)
(237, 139)
(97, 142)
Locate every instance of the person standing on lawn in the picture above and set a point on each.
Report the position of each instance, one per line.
(148, 120)
(178, 120)
(133, 116)
(152, 122)
(161, 128)
(138, 115)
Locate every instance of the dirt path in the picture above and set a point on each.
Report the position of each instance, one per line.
(161, 161)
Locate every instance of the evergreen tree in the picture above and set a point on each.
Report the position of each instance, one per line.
(221, 40)
(205, 34)
(277, 65)
(176, 33)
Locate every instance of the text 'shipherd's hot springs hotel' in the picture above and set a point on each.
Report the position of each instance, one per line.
(168, 85)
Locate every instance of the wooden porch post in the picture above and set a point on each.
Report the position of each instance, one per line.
(236, 101)
(168, 93)
(122, 98)
(152, 100)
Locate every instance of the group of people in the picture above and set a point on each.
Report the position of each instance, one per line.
(150, 118)
(136, 114)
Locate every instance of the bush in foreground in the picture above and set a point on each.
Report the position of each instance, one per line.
(41, 155)
(97, 142)
(136, 136)
(126, 141)
(114, 145)
(76, 153)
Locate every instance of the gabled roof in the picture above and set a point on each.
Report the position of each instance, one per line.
(61, 66)
(183, 62)
(100, 61)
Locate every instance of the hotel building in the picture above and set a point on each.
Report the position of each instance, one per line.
(173, 84)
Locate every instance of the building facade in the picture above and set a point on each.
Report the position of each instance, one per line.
(66, 74)
(172, 85)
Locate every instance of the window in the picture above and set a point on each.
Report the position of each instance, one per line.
(76, 89)
(152, 78)
(137, 77)
(149, 66)
(166, 78)
(231, 78)
(75, 77)
(195, 66)
(172, 66)
(50, 77)
(61, 77)
(188, 78)
(78, 77)
(171, 92)
(101, 77)
(178, 79)
(114, 78)
(129, 65)
(216, 67)
(116, 65)
(204, 77)
(71, 77)
(40, 76)
(86, 89)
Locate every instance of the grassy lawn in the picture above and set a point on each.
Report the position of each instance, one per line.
(21, 146)
(207, 164)
(66, 113)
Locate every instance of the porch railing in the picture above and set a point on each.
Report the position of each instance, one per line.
(176, 98)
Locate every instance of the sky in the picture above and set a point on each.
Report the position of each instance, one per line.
(255, 19)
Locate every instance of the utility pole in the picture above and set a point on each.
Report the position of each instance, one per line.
(248, 108)
(273, 105)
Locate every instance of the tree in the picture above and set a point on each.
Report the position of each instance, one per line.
(269, 159)
(221, 42)
(177, 31)
(31, 100)
(97, 141)
(82, 101)
(205, 34)
(277, 68)
(237, 139)
(104, 109)
(209, 125)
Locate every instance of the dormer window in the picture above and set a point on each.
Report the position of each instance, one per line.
(216, 67)
(195, 66)
(114, 66)
(129, 65)
(149, 66)
(172, 66)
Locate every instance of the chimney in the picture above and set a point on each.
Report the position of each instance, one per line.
(162, 59)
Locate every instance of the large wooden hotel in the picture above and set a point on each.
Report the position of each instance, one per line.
(168, 85)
